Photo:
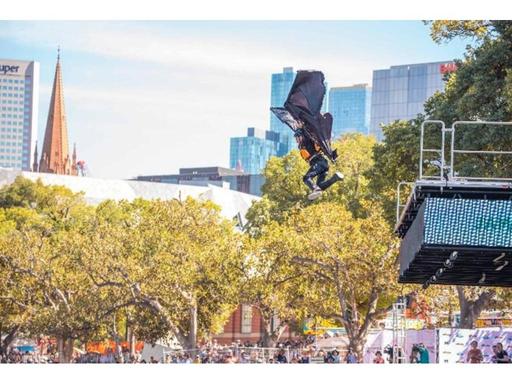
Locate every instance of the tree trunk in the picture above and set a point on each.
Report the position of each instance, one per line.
(158, 308)
(65, 349)
(9, 339)
(450, 316)
(271, 336)
(69, 350)
(267, 339)
(192, 332)
(117, 340)
(470, 309)
(131, 341)
(60, 348)
(356, 344)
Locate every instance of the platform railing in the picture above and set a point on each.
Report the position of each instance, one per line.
(454, 151)
(432, 150)
(446, 168)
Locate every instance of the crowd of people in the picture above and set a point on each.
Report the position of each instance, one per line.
(475, 355)
(293, 351)
(19, 357)
(257, 355)
(304, 351)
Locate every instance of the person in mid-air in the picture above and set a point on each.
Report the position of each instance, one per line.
(312, 128)
(318, 165)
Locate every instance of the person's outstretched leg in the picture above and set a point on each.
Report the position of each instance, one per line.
(314, 170)
(338, 176)
(320, 180)
(308, 178)
(319, 167)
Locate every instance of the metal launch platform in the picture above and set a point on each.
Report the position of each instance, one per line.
(455, 230)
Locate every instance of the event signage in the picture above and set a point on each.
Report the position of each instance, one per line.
(483, 323)
(447, 68)
(454, 344)
(5, 68)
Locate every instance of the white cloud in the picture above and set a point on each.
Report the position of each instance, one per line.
(198, 90)
(137, 43)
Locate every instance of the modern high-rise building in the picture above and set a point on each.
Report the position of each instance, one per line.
(252, 152)
(55, 156)
(279, 88)
(400, 92)
(19, 99)
(350, 109)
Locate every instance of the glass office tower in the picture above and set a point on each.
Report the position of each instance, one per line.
(350, 109)
(400, 92)
(254, 150)
(279, 88)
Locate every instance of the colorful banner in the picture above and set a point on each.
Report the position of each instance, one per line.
(486, 323)
(454, 344)
(104, 347)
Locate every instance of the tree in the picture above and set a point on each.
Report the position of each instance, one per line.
(479, 89)
(349, 262)
(396, 159)
(284, 220)
(40, 278)
(270, 282)
(15, 302)
(446, 30)
(284, 192)
(172, 262)
(77, 272)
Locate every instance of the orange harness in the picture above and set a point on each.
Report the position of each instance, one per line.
(306, 155)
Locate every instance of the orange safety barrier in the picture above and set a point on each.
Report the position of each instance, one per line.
(104, 347)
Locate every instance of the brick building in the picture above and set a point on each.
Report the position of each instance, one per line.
(245, 324)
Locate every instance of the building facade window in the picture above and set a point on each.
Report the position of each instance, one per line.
(246, 326)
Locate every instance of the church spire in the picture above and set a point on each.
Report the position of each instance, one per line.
(55, 153)
(74, 168)
(35, 166)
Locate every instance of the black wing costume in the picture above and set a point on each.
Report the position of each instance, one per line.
(304, 103)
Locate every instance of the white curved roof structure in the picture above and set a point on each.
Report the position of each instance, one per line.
(232, 203)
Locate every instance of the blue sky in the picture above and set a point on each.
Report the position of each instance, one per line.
(151, 97)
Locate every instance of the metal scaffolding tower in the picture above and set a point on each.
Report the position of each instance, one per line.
(399, 334)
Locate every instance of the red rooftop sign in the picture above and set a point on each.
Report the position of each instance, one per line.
(447, 68)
